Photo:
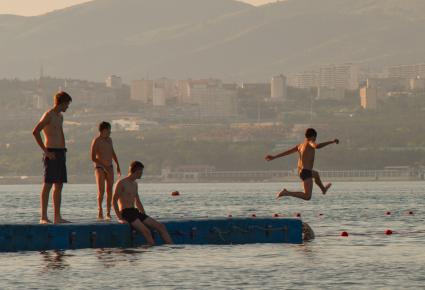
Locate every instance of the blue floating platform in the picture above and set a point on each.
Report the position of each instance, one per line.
(29, 237)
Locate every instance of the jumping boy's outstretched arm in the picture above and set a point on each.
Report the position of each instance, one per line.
(321, 145)
(288, 152)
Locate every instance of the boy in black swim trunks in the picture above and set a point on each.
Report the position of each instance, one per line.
(126, 197)
(306, 151)
(54, 155)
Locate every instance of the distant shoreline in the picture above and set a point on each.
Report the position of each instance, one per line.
(84, 180)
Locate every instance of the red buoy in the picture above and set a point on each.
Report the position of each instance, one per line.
(229, 216)
(276, 215)
(320, 214)
(388, 232)
(388, 213)
(175, 193)
(411, 213)
(344, 234)
(298, 214)
(253, 215)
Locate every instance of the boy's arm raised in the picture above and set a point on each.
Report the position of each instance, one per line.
(288, 152)
(321, 145)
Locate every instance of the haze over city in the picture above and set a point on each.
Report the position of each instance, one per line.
(242, 73)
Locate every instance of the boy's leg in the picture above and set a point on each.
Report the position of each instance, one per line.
(150, 222)
(57, 198)
(319, 183)
(44, 201)
(109, 187)
(100, 181)
(306, 195)
(141, 228)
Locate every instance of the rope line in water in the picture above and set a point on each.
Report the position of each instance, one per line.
(374, 234)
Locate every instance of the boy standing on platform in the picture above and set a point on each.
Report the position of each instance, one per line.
(102, 154)
(306, 151)
(125, 199)
(54, 158)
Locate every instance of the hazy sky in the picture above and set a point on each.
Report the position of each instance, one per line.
(35, 7)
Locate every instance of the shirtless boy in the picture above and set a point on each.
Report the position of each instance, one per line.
(54, 158)
(306, 151)
(126, 197)
(102, 154)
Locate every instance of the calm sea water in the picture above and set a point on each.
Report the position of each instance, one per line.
(367, 259)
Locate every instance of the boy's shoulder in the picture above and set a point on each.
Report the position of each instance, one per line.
(125, 181)
(121, 182)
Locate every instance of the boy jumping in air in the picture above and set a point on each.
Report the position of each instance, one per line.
(306, 151)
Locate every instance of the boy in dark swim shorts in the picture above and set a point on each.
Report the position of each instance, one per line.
(125, 199)
(306, 151)
(55, 169)
(54, 155)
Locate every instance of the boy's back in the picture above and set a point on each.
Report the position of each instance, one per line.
(306, 156)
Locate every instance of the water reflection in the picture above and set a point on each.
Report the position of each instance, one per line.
(54, 260)
(110, 258)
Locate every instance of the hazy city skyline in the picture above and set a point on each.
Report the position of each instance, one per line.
(31, 8)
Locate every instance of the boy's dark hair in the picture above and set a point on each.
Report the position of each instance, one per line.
(62, 97)
(104, 125)
(310, 133)
(136, 165)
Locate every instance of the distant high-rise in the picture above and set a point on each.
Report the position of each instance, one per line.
(114, 82)
(306, 79)
(142, 90)
(279, 90)
(407, 71)
(369, 98)
(339, 76)
(331, 76)
(215, 100)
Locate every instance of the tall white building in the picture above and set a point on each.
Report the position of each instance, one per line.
(114, 82)
(407, 71)
(279, 89)
(306, 79)
(215, 100)
(331, 76)
(339, 76)
(142, 90)
(159, 97)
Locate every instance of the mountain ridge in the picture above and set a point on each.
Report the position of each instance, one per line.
(210, 38)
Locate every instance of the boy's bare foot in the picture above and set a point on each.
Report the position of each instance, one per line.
(100, 215)
(327, 188)
(62, 221)
(108, 217)
(45, 221)
(282, 193)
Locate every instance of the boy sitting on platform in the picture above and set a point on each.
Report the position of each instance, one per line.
(126, 195)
